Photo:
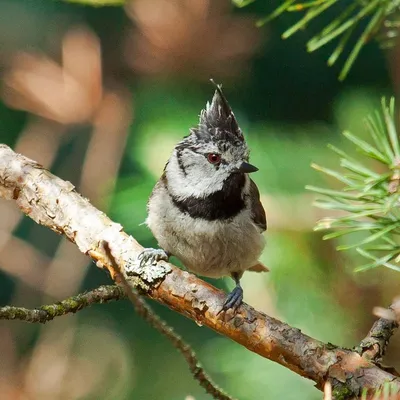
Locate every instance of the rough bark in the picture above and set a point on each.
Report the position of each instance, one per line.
(54, 203)
(374, 345)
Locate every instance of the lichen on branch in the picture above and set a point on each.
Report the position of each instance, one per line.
(43, 314)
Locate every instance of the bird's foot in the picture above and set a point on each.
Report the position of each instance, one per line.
(152, 256)
(234, 299)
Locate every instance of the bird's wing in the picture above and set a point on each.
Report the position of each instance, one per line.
(257, 210)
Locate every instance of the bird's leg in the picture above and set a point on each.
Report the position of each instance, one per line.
(152, 256)
(234, 298)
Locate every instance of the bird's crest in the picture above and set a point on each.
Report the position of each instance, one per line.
(217, 119)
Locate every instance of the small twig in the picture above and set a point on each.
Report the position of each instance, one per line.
(102, 294)
(373, 346)
(145, 311)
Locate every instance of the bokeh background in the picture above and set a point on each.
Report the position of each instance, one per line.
(100, 95)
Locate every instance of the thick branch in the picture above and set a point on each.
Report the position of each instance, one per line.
(53, 202)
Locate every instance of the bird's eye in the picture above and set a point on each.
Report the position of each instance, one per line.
(213, 158)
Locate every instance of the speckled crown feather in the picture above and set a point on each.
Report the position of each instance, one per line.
(217, 121)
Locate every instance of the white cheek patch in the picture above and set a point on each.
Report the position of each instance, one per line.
(201, 178)
(191, 174)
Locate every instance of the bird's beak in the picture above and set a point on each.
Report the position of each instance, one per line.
(247, 168)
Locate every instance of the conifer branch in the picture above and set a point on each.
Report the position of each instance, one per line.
(370, 197)
(379, 19)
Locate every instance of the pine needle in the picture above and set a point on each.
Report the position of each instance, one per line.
(369, 199)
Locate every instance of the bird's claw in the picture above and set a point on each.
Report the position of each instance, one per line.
(234, 299)
(152, 256)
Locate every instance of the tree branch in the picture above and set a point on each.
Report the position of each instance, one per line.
(373, 346)
(54, 203)
(102, 294)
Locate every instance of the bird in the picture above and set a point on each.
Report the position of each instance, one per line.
(205, 210)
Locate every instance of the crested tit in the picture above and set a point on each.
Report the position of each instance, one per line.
(205, 210)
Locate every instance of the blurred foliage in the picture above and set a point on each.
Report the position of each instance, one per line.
(377, 18)
(99, 3)
(289, 106)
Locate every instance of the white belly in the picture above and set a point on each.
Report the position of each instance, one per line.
(208, 248)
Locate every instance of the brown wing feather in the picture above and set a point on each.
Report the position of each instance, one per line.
(257, 209)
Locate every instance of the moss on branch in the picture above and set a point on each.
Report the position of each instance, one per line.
(102, 294)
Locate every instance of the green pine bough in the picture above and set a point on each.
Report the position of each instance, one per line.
(359, 20)
(369, 201)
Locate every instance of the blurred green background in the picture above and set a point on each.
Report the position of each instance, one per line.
(100, 95)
